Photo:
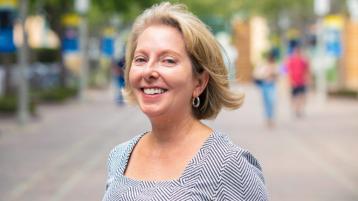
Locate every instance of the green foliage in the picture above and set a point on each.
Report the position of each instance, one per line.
(47, 55)
(101, 13)
(128, 10)
(345, 93)
(8, 104)
(213, 8)
(7, 58)
(274, 10)
(58, 94)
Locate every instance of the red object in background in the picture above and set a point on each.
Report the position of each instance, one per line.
(297, 67)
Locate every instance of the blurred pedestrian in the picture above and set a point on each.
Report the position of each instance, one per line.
(299, 77)
(118, 72)
(176, 74)
(266, 76)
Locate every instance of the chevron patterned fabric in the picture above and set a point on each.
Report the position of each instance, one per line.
(220, 170)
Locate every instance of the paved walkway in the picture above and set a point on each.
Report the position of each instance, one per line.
(61, 155)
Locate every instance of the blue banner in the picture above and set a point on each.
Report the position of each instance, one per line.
(70, 41)
(7, 41)
(333, 43)
(107, 46)
(7, 17)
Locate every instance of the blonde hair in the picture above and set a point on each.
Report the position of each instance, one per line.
(203, 50)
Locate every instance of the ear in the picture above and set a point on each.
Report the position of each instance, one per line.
(201, 83)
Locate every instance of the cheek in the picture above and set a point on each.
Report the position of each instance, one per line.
(175, 77)
(134, 77)
(185, 82)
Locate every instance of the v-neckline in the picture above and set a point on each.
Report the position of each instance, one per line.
(186, 170)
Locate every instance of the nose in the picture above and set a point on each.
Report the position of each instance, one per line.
(150, 71)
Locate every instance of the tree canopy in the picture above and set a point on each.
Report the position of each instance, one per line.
(211, 11)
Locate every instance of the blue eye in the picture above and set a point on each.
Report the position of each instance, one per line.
(139, 60)
(169, 61)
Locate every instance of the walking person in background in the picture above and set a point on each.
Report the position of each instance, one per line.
(118, 71)
(266, 76)
(175, 73)
(299, 77)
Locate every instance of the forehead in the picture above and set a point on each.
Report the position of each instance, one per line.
(161, 37)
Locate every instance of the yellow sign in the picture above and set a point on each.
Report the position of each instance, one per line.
(8, 3)
(109, 31)
(336, 21)
(292, 33)
(71, 19)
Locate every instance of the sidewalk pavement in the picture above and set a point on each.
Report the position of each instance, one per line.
(61, 155)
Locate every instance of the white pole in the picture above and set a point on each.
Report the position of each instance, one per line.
(23, 91)
(82, 7)
(321, 64)
(321, 8)
(84, 58)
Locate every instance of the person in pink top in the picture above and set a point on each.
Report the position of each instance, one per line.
(299, 76)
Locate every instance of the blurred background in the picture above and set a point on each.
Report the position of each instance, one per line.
(62, 110)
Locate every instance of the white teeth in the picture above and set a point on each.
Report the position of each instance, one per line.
(152, 91)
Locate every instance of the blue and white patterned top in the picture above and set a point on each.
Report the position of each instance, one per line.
(220, 170)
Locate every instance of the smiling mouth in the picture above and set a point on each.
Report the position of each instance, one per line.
(153, 91)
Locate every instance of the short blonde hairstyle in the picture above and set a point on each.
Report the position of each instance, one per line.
(203, 50)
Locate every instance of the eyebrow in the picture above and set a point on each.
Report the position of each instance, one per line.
(162, 52)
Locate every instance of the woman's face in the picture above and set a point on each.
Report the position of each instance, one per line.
(161, 73)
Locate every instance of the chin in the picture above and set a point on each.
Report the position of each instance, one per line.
(152, 111)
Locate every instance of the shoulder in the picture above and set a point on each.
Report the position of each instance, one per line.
(241, 174)
(119, 154)
(236, 155)
(118, 151)
(241, 162)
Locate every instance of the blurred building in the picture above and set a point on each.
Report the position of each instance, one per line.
(251, 40)
(340, 38)
(259, 42)
(242, 36)
(39, 33)
(341, 47)
(350, 55)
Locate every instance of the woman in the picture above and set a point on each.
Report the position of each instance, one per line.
(268, 75)
(175, 73)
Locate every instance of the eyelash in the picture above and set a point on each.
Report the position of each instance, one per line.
(166, 61)
(169, 61)
(139, 60)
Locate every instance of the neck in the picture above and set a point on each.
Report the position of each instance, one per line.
(174, 130)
